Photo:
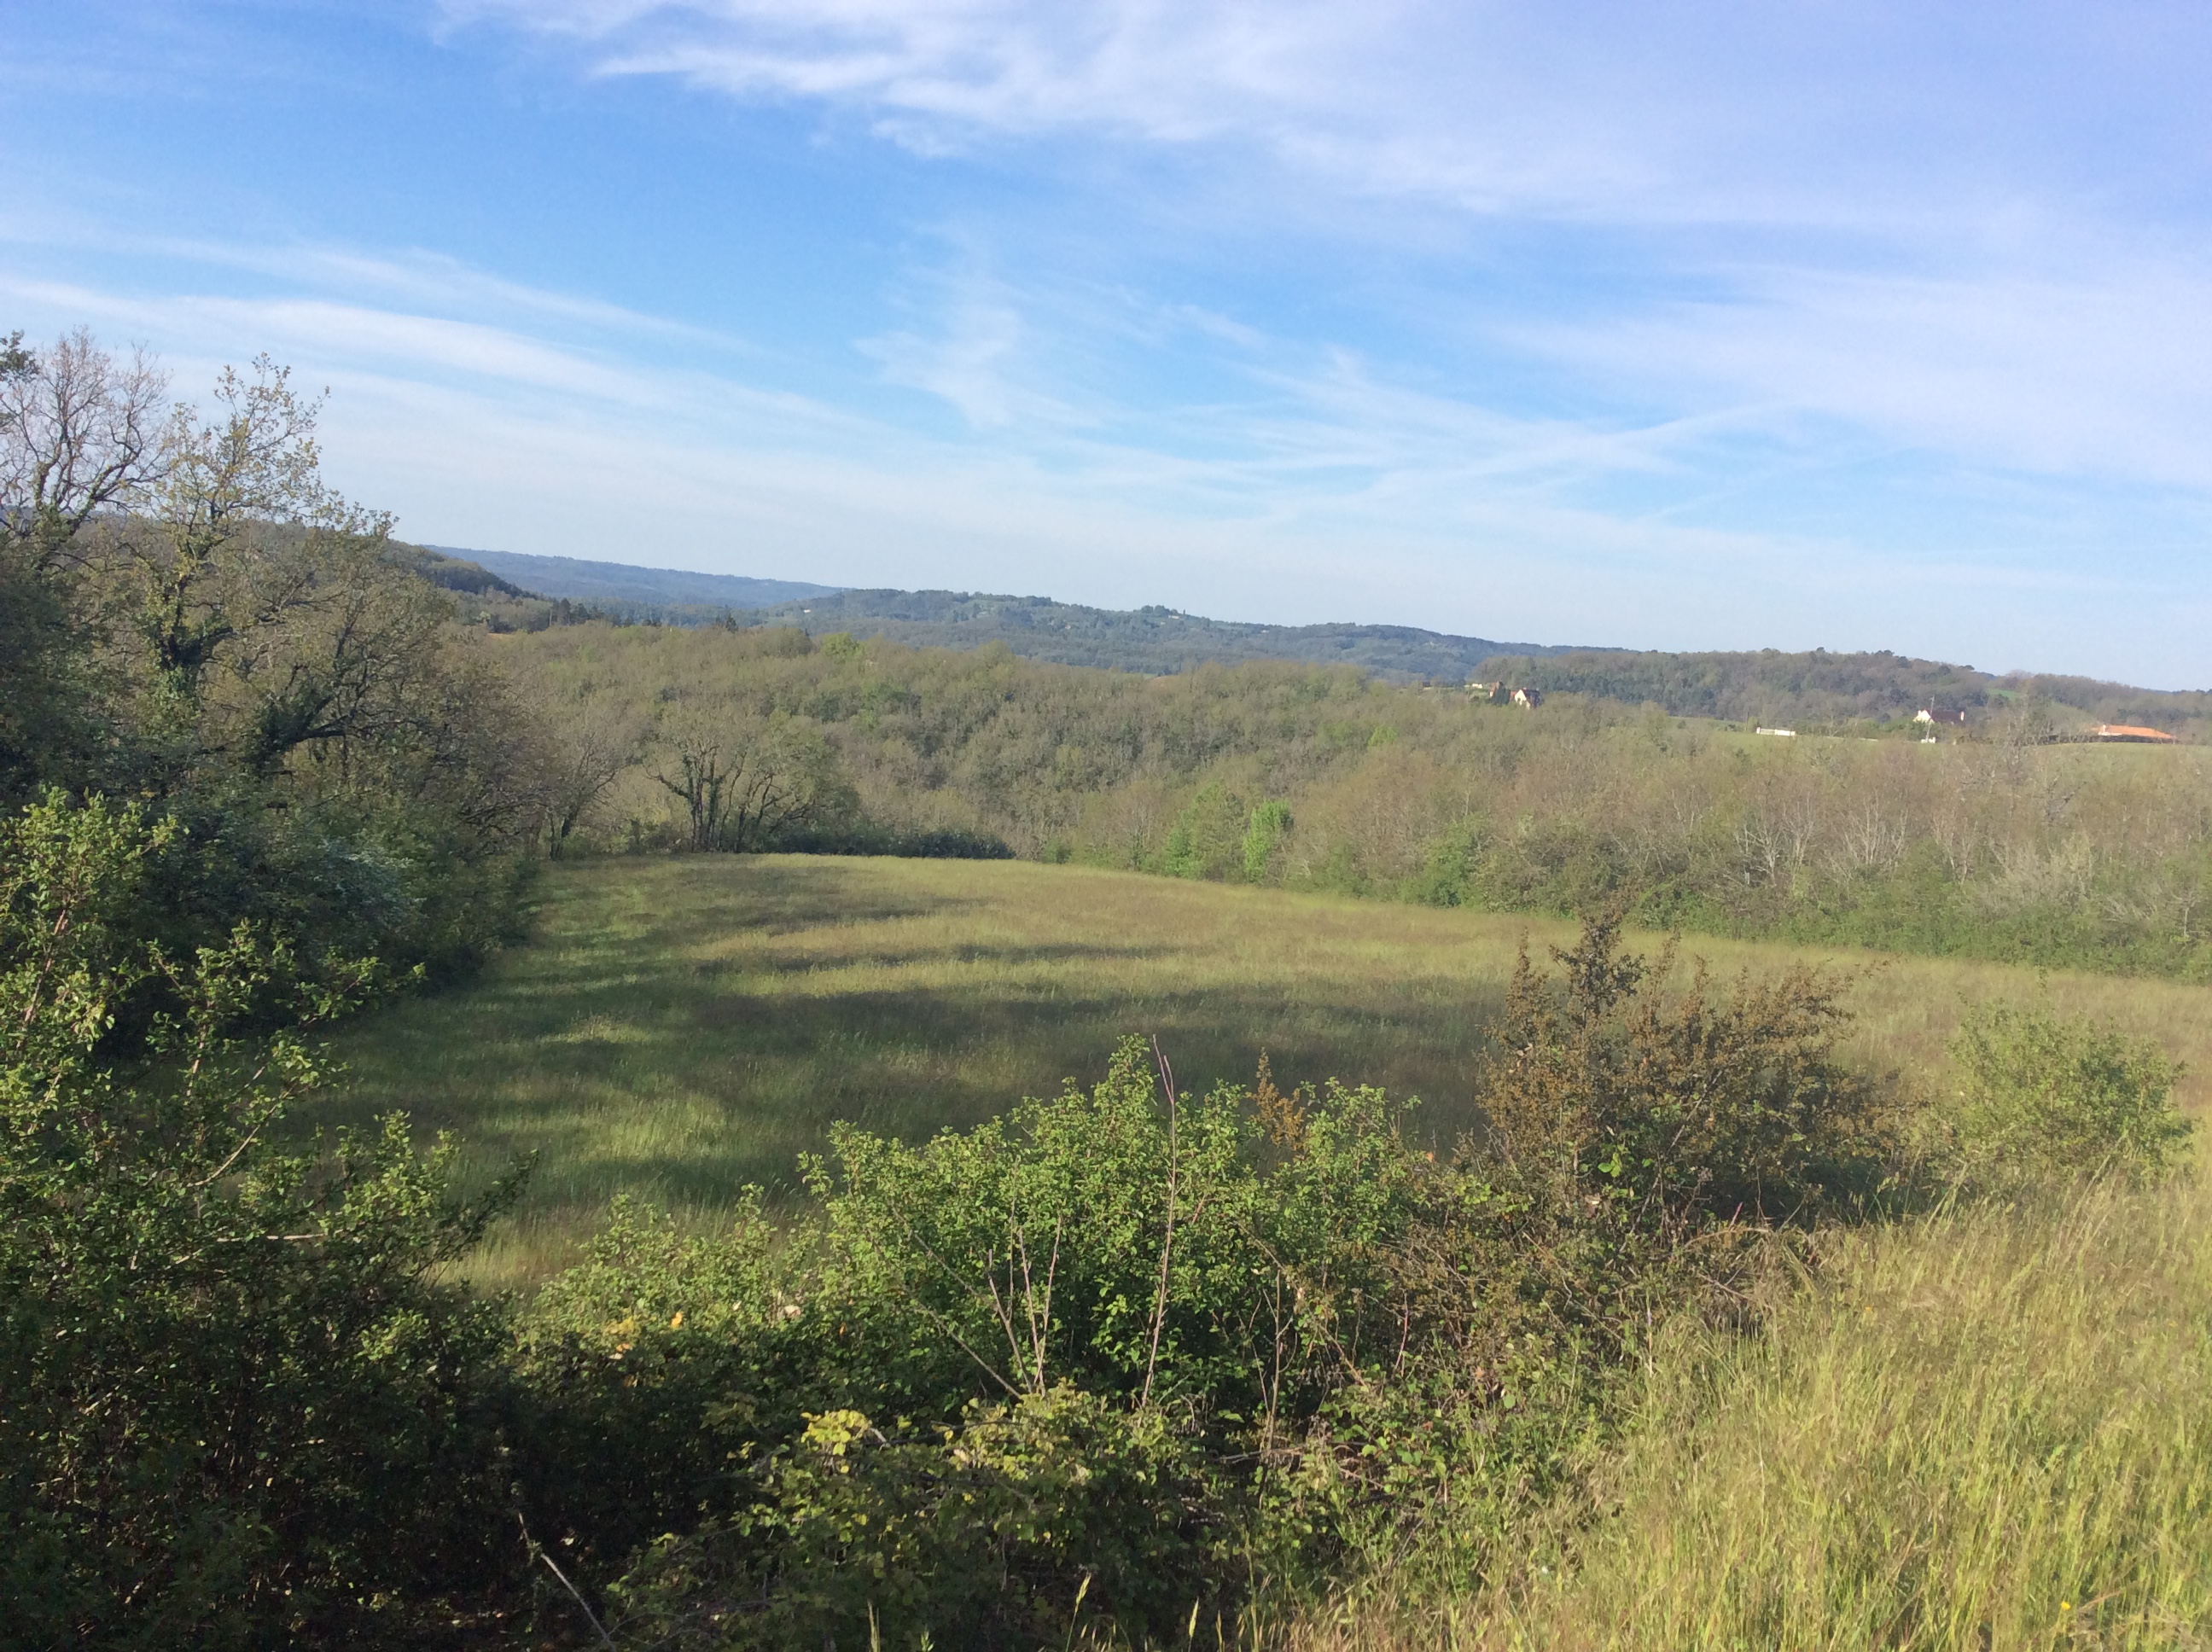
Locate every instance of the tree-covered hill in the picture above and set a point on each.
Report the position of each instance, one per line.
(1153, 640)
(1812, 691)
(619, 587)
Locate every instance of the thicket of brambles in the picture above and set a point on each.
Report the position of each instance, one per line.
(2005, 845)
(1124, 1361)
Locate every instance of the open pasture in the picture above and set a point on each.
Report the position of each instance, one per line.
(677, 1028)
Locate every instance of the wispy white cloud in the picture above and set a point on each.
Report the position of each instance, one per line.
(1975, 231)
(1344, 495)
(518, 436)
(1784, 222)
(2105, 372)
(1700, 109)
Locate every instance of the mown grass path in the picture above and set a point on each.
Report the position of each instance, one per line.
(679, 1027)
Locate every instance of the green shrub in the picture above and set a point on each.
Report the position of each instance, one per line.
(1007, 1530)
(1264, 832)
(1676, 1113)
(1122, 1340)
(1211, 838)
(672, 1352)
(235, 1409)
(2045, 1097)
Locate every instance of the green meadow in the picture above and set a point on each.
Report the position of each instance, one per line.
(677, 1028)
(1982, 1428)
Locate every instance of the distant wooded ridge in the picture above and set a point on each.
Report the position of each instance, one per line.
(617, 585)
(1155, 641)
(1813, 688)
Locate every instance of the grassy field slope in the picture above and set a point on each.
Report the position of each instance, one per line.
(680, 1027)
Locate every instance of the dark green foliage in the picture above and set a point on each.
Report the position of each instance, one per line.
(1026, 1520)
(42, 727)
(663, 1350)
(864, 836)
(234, 1408)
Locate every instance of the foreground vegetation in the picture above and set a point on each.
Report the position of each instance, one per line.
(1985, 1429)
(1141, 1352)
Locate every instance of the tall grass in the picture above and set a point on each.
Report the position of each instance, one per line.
(1986, 1429)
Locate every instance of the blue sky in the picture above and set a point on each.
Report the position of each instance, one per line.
(1666, 325)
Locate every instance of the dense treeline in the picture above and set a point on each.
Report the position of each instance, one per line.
(2006, 845)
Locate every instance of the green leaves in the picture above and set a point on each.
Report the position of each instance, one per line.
(229, 1377)
(2046, 1098)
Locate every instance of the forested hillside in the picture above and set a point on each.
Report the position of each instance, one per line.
(1153, 640)
(1816, 689)
(1309, 778)
(620, 586)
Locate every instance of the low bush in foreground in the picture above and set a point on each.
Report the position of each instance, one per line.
(1129, 1359)
(235, 1408)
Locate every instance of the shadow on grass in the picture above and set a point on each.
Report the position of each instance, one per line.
(660, 1035)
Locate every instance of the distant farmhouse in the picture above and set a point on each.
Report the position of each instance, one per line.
(1500, 694)
(1943, 718)
(2131, 733)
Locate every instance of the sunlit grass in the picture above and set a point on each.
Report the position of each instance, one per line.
(1987, 1430)
(679, 1027)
